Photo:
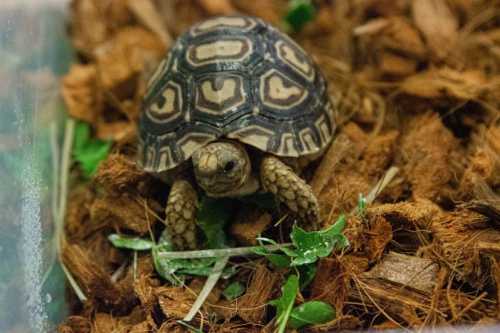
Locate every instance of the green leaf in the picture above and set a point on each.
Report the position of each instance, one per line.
(309, 246)
(130, 243)
(170, 268)
(361, 209)
(82, 136)
(311, 313)
(212, 217)
(279, 260)
(173, 269)
(284, 304)
(306, 274)
(88, 152)
(299, 13)
(234, 290)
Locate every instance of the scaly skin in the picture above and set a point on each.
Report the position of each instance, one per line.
(180, 217)
(280, 180)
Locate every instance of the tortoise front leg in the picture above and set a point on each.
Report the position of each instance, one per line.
(180, 217)
(280, 180)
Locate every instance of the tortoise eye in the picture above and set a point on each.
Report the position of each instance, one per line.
(229, 166)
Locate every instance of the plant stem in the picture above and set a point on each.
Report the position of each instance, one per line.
(207, 288)
(212, 253)
(382, 183)
(63, 199)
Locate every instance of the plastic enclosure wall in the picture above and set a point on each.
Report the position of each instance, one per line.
(34, 53)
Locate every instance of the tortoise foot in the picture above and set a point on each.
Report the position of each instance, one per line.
(280, 180)
(180, 217)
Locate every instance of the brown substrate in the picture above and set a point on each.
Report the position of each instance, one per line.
(417, 86)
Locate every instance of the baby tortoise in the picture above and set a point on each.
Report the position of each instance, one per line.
(245, 104)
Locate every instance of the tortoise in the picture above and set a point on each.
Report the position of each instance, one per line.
(232, 109)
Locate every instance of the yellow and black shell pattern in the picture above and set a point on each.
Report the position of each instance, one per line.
(234, 77)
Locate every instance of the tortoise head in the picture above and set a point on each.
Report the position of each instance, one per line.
(221, 168)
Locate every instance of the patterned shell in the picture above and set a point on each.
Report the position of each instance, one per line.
(239, 78)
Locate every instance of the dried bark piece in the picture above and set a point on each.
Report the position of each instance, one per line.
(339, 324)
(378, 154)
(121, 132)
(438, 24)
(410, 308)
(409, 271)
(91, 277)
(331, 283)
(144, 288)
(445, 83)
(118, 174)
(483, 171)
(121, 58)
(419, 213)
(252, 305)
(371, 27)
(218, 7)
(147, 14)
(171, 326)
(145, 326)
(426, 150)
(270, 11)
(249, 224)
(196, 286)
(461, 239)
(340, 147)
(489, 209)
(75, 324)
(401, 36)
(175, 302)
(392, 64)
(77, 224)
(123, 212)
(379, 235)
(105, 323)
(80, 94)
(94, 21)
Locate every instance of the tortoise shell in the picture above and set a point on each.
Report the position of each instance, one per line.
(234, 77)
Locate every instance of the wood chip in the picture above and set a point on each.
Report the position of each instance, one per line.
(148, 15)
(91, 277)
(391, 64)
(79, 90)
(445, 82)
(249, 226)
(438, 24)
(126, 212)
(408, 271)
(218, 7)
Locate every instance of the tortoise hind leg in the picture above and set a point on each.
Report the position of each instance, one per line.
(180, 214)
(280, 180)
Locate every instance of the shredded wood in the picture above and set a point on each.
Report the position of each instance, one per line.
(416, 88)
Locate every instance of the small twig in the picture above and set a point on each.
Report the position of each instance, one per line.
(72, 282)
(54, 151)
(116, 274)
(214, 253)
(207, 288)
(54, 147)
(382, 183)
(63, 199)
(134, 265)
(470, 306)
(66, 163)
